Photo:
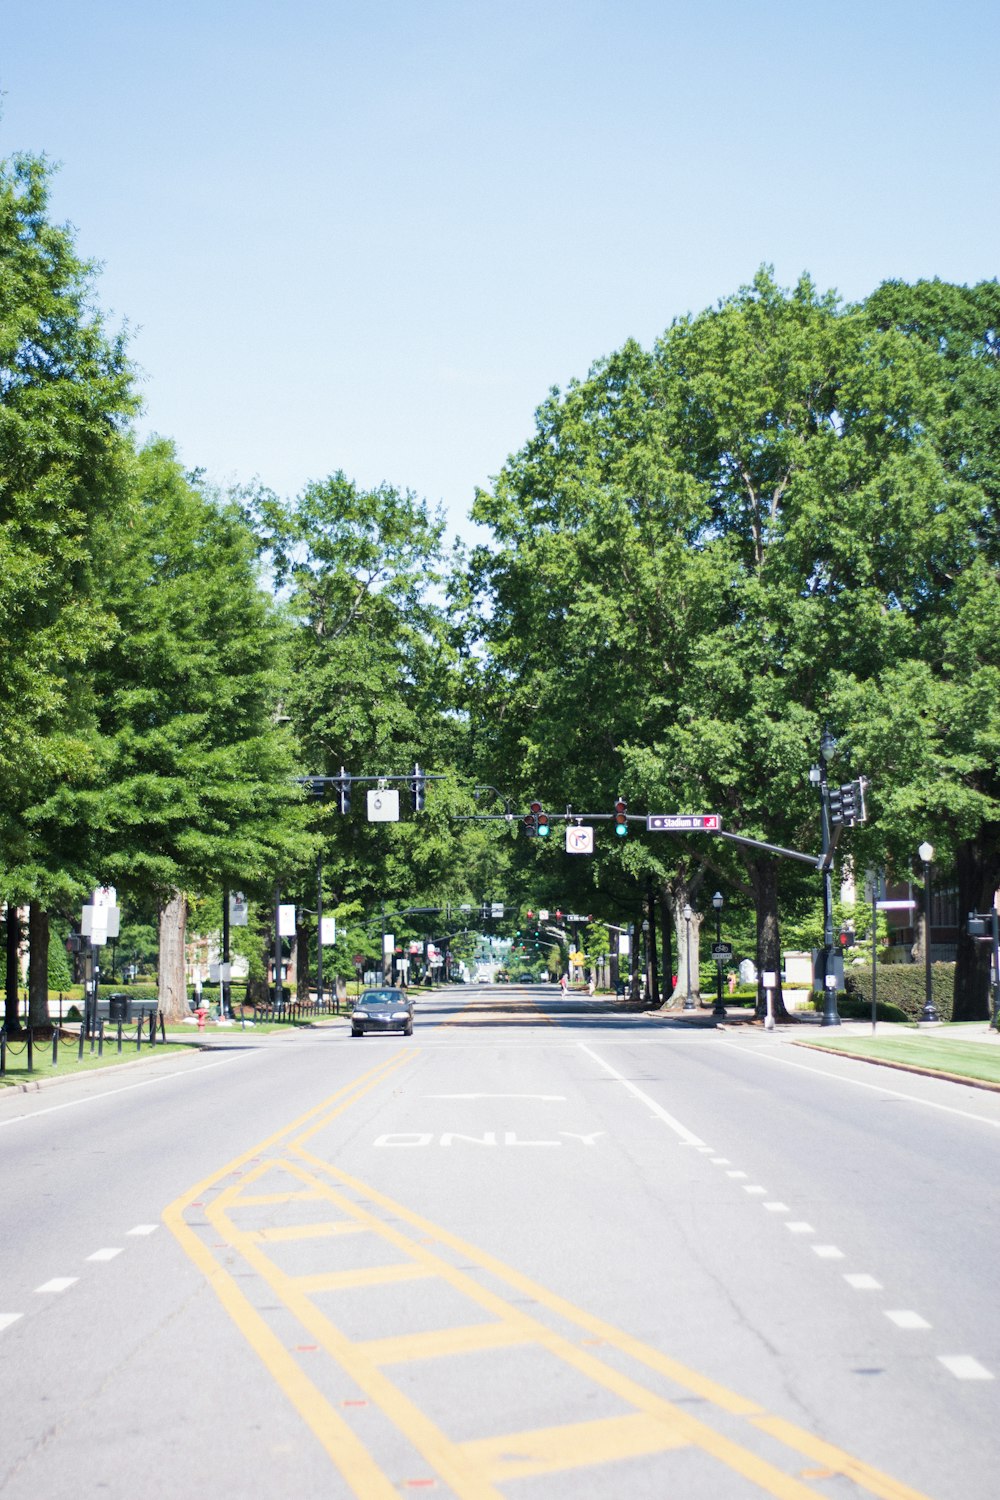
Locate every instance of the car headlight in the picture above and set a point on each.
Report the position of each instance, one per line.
(401, 1015)
(359, 1015)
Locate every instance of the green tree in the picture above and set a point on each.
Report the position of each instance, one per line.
(197, 785)
(373, 688)
(931, 721)
(692, 546)
(66, 398)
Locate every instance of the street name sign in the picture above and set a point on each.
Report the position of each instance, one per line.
(683, 823)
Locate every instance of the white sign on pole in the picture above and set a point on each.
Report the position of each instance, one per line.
(579, 840)
(220, 973)
(624, 945)
(328, 931)
(105, 895)
(543, 916)
(286, 921)
(388, 942)
(238, 909)
(383, 806)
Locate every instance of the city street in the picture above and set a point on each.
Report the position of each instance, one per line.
(544, 1247)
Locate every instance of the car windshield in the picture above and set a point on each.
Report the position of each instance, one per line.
(381, 997)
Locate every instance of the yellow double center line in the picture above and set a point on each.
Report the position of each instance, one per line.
(352, 1212)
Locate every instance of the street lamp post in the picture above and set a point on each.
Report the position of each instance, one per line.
(719, 1009)
(929, 1015)
(831, 1016)
(688, 997)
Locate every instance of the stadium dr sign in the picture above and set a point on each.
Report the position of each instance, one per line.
(683, 823)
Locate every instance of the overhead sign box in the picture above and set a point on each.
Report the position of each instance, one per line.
(683, 823)
(383, 806)
(579, 840)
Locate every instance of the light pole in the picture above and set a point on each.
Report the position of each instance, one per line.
(688, 997)
(719, 1009)
(929, 1015)
(831, 1016)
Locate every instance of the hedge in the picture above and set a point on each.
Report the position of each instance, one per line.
(903, 986)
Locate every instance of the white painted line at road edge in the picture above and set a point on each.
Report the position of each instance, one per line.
(687, 1136)
(878, 1088)
(144, 1083)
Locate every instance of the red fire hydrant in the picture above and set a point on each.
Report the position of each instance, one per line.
(201, 1013)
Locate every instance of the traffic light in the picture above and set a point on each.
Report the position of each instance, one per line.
(846, 935)
(343, 786)
(418, 787)
(835, 797)
(621, 818)
(536, 824)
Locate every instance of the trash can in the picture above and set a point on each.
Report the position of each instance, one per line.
(117, 1008)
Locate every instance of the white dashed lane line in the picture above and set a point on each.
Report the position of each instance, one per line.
(964, 1367)
(904, 1318)
(62, 1283)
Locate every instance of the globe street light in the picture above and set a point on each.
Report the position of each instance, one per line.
(688, 997)
(718, 1010)
(929, 1015)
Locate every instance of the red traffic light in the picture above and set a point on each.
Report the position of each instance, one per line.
(535, 807)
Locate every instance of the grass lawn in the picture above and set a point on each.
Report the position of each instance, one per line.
(17, 1058)
(938, 1052)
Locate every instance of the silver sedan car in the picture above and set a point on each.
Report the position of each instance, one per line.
(382, 1010)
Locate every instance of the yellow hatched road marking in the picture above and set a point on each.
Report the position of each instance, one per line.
(472, 1469)
(268, 1200)
(548, 1450)
(292, 1232)
(342, 1281)
(836, 1460)
(402, 1348)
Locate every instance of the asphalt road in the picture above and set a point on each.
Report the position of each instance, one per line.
(538, 1249)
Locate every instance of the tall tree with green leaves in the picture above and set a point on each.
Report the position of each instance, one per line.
(932, 719)
(766, 492)
(66, 399)
(373, 685)
(197, 788)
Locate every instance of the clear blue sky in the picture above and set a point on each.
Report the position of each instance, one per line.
(371, 235)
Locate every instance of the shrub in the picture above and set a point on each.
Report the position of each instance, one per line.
(903, 986)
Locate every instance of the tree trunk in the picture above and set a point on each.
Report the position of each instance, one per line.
(38, 965)
(652, 976)
(172, 970)
(11, 1005)
(667, 956)
(300, 962)
(978, 870)
(687, 931)
(764, 883)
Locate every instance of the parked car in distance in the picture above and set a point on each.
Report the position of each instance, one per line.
(382, 1010)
